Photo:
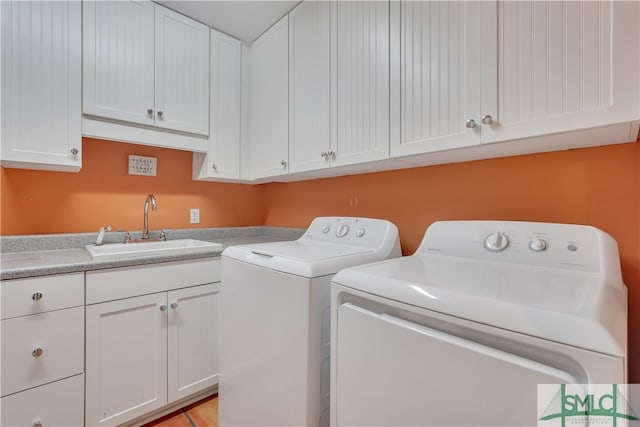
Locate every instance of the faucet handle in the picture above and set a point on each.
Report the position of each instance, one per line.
(101, 232)
(127, 237)
(163, 235)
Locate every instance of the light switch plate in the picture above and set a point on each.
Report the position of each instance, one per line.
(194, 216)
(140, 165)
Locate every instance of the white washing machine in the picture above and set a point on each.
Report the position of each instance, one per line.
(275, 320)
(461, 332)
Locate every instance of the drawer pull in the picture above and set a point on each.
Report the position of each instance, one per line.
(37, 423)
(37, 352)
(37, 296)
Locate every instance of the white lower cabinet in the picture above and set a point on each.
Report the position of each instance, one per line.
(126, 358)
(42, 346)
(192, 340)
(58, 404)
(145, 352)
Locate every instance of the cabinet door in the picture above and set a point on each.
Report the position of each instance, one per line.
(181, 73)
(223, 158)
(564, 65)
(439, 75)
(126, 359)
(309, 86)
(360, 81)
(118, 54)
(40, 107)
(269, 102)
(192, 340)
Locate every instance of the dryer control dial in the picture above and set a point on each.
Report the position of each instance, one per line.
(360, 232)
(537, 245)
(496, 242)
(342, 230)
(326, 229)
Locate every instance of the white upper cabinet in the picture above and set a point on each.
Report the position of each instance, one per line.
(268, 110)
(40, 85)
(440, 74)
(181, 73)
(118, 59)
(222, 161)
(360, 81)
(515, 70)
(309, 86)
(564, 65)
(145, 64)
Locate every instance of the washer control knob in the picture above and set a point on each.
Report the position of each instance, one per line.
(326, 229)
(496, 242)
(342, 230)
(360, 232)
(537, 245)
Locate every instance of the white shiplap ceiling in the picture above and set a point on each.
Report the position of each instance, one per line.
(245, 20)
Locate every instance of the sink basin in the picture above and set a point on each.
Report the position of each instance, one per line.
(168, 247)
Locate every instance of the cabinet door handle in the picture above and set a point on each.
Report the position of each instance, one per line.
(470, 124)
(37, 352)
(283, 163)
(74, 151)
(214, 167)
(487, 119)
(37, 296)
(174, 305)
(150, 111)
(160, 114)
(163, 307)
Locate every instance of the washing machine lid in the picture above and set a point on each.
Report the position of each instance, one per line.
(303, 258)
(327, 246)
(560, 307)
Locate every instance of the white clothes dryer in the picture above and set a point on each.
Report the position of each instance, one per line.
(275, 320)
(463, 331)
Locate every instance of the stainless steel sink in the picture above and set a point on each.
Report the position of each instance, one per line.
(167, 247)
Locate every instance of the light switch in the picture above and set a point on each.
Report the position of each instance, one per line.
(194, 216)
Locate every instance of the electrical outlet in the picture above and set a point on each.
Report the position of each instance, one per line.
(140, 165)
(194, 216)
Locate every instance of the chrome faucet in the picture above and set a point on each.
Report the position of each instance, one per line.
(154, 205)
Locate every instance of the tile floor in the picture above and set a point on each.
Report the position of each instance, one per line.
(200, 414)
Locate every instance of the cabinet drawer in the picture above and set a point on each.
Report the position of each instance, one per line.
(57, 404)
(60, 336)
(20, 297)
(126, 282)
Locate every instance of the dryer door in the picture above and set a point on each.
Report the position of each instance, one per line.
(393, 372)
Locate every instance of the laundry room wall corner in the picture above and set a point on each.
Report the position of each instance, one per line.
(593, 186)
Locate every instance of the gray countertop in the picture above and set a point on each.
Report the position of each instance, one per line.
(30, 256)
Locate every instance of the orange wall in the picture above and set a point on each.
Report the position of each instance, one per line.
(103, 192)
(596, 186)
